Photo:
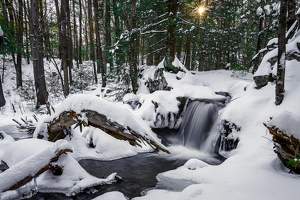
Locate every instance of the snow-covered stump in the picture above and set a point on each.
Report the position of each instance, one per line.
(286, 137)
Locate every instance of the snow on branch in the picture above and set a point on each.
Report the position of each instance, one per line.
(153, 31)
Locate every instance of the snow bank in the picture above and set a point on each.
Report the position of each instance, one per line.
(5, 141)
(96, 144)
(287, 122)
(22, 149)
(30, 165)
(252, 171)
(93, 143)
(74, 178)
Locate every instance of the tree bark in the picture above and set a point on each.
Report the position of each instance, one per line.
(279, 92)
(92, 49)
(68, 118)
(171, 42)
(259, 44)
(69, 41)
(188, 53)
(37, 54)
(100, 66)
(60, 48)
(132, 49)
(26, 10)
(20, 45)
(64, 53)
(80, 34)
(291, 13)
(107, 36)
(2, 99)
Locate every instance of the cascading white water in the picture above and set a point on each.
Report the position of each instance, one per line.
(199, 126)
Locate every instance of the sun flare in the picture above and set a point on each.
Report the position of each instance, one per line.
(201, 10)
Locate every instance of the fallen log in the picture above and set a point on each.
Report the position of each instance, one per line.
(58, 128)
(286, 147)
(31, 167)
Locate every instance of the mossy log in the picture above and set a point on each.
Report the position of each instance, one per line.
(285, 146)
(59, 127)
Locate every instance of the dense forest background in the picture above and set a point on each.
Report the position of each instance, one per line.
(118, 36)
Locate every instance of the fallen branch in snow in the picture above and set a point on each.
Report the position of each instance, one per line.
(286, 147)
(19, 179)
(58, 128)
(26, 124)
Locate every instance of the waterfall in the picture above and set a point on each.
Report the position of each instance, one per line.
(198, 129)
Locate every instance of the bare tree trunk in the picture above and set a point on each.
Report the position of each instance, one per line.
(100, 67)
(107, 36)
(80, 34)
(59, 29)
(188, 53)
(179, 44)
(132, 49)
(259, 44)
(26, 31)
(69, 41)
(37, 54)
(75, 34)
(20, 45)
(172, 7)
(291, 13)
(279, 92)
(64, 53)
(90, 16)
(2, 99)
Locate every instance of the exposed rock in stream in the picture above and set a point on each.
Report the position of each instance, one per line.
(228, 139)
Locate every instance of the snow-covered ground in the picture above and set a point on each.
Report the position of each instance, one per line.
(251, 171)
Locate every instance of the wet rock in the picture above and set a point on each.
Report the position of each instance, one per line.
(228, 139)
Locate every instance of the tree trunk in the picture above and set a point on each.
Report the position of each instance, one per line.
(80, 34)
(64, 53)
(75, 34)
(20, 45)
(100, 66)
(172, 8)
(291, 13)
(37, 54)
(188, 53)
(259, 44)
(26, 31)
(179, 44)
(69, 41)
(279, 95)
(60, 48)
(107, 36)
(90, 16)
(2, 99)
(132, 49)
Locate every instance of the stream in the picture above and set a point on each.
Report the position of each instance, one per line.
(138, 173)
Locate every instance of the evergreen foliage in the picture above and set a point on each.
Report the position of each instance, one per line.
(225, 35)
